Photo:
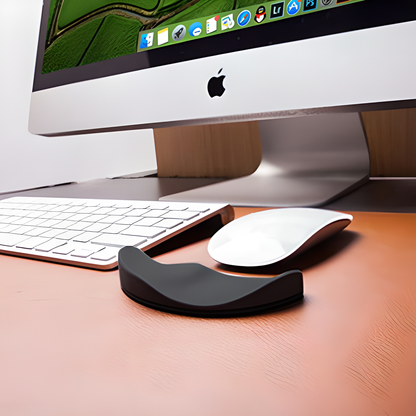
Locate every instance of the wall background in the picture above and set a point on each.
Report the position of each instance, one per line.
(29, 161)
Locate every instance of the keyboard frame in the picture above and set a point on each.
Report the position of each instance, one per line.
(225, 212)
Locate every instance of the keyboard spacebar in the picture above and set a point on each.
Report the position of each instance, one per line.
(116, 240)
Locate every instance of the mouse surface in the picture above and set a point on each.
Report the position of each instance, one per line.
(266, 237)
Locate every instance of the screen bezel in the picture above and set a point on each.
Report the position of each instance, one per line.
(349, 17)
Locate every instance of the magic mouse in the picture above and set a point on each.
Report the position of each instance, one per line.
(269, 236)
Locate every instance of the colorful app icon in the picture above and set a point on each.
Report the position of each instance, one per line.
(212, 24)
(326, 2)
(277, 10)
(243, 18)
(179, 33)
(310, 5)
(260, 14)
(146, 40)
(195, 29)
(227, 22)
(293, 7)
(162, 36)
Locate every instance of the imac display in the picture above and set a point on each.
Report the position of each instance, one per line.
(108, 66)
(81, 33)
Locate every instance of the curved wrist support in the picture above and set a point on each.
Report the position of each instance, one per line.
(195, 290)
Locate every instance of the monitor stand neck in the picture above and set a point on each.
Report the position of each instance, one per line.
(306, 161)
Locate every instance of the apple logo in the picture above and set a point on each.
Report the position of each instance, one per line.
(215, 86)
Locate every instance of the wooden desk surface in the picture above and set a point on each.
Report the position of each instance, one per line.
(71, 343)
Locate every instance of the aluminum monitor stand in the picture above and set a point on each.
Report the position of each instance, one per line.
(306, 161)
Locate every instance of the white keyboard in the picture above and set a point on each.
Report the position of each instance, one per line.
(90, 232)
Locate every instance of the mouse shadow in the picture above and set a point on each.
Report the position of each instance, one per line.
(314, 256)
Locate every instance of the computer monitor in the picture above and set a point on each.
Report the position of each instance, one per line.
(107, 66)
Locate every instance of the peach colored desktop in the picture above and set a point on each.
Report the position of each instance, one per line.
(71, 343)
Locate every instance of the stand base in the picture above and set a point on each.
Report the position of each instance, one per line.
(307, 161)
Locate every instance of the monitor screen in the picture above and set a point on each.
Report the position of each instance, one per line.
(81, 33)
(104, 66)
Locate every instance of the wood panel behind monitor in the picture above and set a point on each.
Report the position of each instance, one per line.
(216, 151)
(234, 149)
(391, 139)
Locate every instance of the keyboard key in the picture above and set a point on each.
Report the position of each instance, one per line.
(78, 217)
(123, 204)
(58, 208)
(64, 249)
(154, 213)
(49, 215)
(92, 203)
(36, 207)
(82, 252)
(181, 215)
(102, 211)
(38, 231)
(105, 255)
(55, 208)
(106, 204)
(24, 229)
(128, 220)
(32, 242)
(148, 222)
(198, 208)
(64, 225)
(50, 223)
(148, 232)
(138, 212)
(36, 221)
(21, 221)
(140, 205)
(111, 219)
(97, 227)
(117, 240)
(77, 203)
(168, 223)
(79, 226)
(52, 233)
(9, 228)
(95, 218)
(120, 211)
(18, 212)
(87, 210)
(34, 214)
(50, 245)
(63, 216)
(85, 237)
(69, 235)
(115, 228)
(179, 207)
(73, 209)
(10, 240)
(159, 205)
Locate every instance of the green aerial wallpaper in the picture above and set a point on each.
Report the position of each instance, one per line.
(86, 31)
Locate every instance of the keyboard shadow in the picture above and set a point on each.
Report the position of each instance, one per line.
(198, 232)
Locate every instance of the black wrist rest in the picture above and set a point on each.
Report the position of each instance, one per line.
(195, 290)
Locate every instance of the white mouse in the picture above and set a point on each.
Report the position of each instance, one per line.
(266, 237)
